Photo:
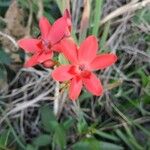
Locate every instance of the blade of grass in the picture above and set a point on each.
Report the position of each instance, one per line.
(121, 114)
(13, 131)
(97, 16)
(124, 138)
(6, 141)
(143, 129)
(107, 136)
(132, 138)
(73, 34)
(104, 36)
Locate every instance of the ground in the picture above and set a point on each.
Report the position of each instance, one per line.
(117, 120)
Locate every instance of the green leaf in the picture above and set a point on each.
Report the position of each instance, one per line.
(50, 124)
(60, 136)
(68, 123)
(94, 144)
(31, 147)
(49, 121)
(107, 136)
(62, 59)
(42, 140)
(110, 146)
(87, 144)
(82, 125)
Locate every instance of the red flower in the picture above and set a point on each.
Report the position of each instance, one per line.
(83, 61)
(43, 47)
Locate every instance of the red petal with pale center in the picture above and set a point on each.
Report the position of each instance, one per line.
(58, 30)
(69, 49)
(88, 49)
(32, 61)
(102, 61)
(45, 56)
(62, 73)
(75, 88)
(56, 47)
(45, 27)
(93, 85)
(29, 45)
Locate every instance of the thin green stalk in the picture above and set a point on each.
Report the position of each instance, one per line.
(97, 16)
(104, 36)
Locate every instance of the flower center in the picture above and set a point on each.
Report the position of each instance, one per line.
(81, 67)
(46, 44)
(80, 70)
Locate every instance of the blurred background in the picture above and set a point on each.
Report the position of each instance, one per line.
(118, 120)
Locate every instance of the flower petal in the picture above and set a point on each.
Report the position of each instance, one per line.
(102, 61)
(67, 16)
(56, 47)
(29, 45)
(75, 88)
(48, 63)
(62, 73)
(45, 27)
(32, 61)
(88, 49)
(58, 30)
(93, 85)
(45, 56)
(69, 49)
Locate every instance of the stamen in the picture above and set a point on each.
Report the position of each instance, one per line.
(82, 67)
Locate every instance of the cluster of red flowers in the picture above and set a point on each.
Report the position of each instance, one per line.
(83, 59)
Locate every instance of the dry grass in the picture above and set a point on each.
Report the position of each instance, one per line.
(33, 88)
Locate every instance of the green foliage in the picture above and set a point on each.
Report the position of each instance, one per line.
(30, 147)
(62, 59)
(87, 144)
(97, 125)
(85, 95)
(142, 15)
(82, 126)
(97, 15)
(42, 140)
(4, 136)
(48, 119)
(107, 136)
(104, 36)
(51, 125)
(93, 144)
